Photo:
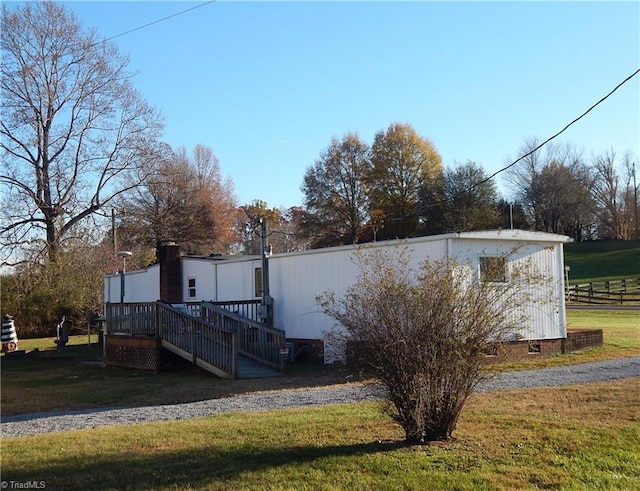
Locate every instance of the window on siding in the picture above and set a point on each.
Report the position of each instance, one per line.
(192, 287)
(493, 269)
(257, 284)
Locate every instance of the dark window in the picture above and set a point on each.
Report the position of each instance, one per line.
(192, 287)
(257, 286)
(493, 269)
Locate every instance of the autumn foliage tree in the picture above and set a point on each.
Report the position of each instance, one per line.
(335, 189)
(403, 164)
(37, 297)
(470, 200)
(186, 199)
(423, 332)
(248, 226)
(285, 228)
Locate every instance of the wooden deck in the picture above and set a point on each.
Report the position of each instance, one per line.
(222, 342)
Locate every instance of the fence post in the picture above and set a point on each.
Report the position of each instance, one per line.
(108, 317)
(234, 354)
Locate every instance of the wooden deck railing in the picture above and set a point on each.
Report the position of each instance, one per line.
(255, 339)
(132, 319)
(207, 331)
(204, 341)
(245, 308)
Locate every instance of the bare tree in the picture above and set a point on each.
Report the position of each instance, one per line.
(424, 332)
(74, 132)
(293, 229)
(553, 185)
(615, 196)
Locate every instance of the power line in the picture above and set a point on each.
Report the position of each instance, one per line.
(499, 171)
(473, 186)
(159, 20)
(441, 202)
(559, 132)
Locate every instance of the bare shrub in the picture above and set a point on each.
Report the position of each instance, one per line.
(423, 332)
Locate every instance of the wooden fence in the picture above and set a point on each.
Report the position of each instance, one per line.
(626, 291)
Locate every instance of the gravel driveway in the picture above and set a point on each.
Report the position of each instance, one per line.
(29, 424)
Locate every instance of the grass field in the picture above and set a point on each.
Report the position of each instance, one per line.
(621, 332)
(602, 260)
(62, 381)
(575, 437)
(44, 384)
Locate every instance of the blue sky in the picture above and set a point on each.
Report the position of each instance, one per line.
(267, 85)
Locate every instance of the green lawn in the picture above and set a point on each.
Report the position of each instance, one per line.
(621, 328)
(602, 260)
(45, 384)
(621, 333)
(573, 438)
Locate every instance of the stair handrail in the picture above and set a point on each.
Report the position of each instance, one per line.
(211, 343)
(255, 340)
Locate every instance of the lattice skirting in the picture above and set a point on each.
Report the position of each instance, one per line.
(142, 353)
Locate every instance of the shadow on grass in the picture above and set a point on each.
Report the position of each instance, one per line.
(196, 468)
(88, 386)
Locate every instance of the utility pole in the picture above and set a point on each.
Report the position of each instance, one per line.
(114, 235)
(266, 305)
(511, 215)
(124, 255)
(635, 200)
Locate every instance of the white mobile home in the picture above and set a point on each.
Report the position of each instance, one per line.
(297, 279)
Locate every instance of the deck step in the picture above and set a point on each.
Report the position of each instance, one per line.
(245, 366)
(248, 368)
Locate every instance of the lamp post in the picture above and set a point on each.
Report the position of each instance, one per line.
(124, 255)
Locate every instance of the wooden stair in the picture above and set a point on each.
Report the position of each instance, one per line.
(221, 342)
(248, 368)
(245, 366)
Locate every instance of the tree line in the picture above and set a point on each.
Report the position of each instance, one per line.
(85, 174)
(398, 188)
